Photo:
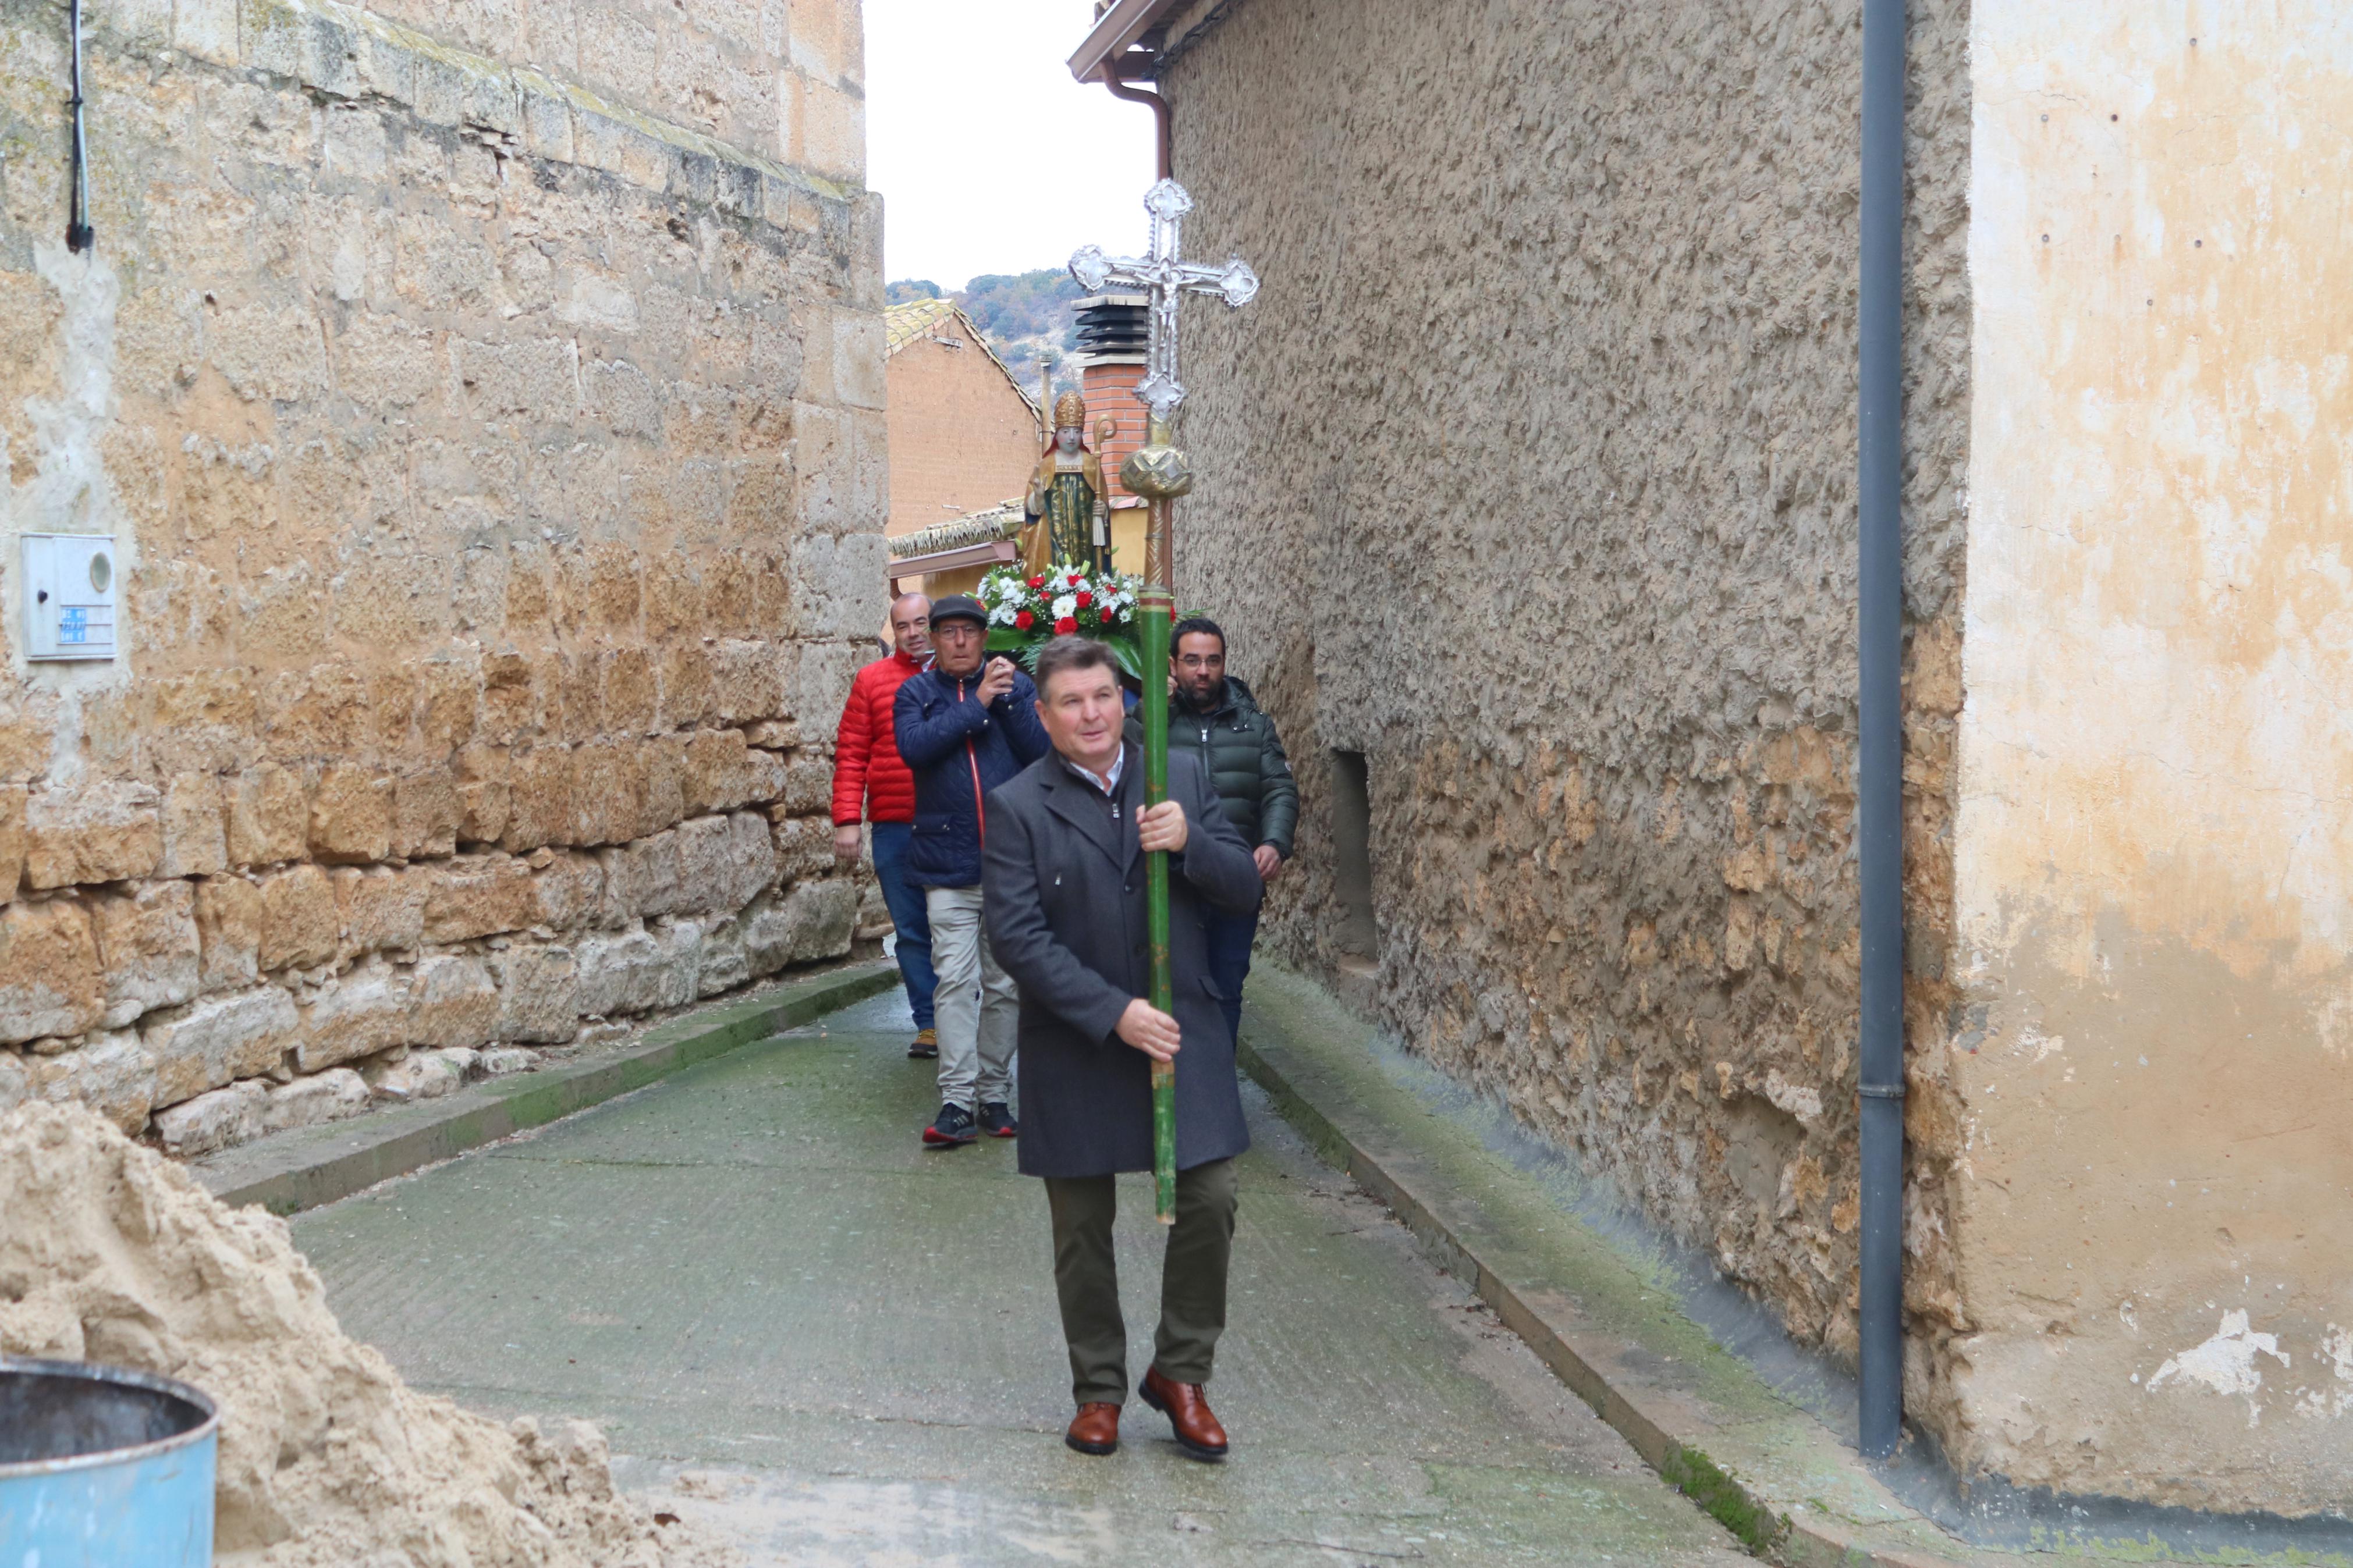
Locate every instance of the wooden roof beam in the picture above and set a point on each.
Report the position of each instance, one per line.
(1120, 28)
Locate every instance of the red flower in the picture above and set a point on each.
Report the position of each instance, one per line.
(1073, 577)
(1024, 621)
(1065, 626)
(1037, 581)
(1082, 598)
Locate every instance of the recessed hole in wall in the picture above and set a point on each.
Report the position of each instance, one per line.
(1352, 856)
(1760, 1142)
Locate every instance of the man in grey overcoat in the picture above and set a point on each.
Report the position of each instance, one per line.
(1063, 883)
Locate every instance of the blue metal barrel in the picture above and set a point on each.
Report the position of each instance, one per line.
(100, 1467)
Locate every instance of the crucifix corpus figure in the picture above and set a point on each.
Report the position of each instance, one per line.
(1100, 966)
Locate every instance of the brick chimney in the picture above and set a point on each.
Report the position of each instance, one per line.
(1111, 329)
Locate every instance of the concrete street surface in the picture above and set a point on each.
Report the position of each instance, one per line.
(834, 1348)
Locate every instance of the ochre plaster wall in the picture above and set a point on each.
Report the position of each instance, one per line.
(962, 439)
(2154, 871)
(1529, 475)
(497, 472)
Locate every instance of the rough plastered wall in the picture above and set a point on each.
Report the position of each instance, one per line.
(495, 462)
(2155, 864)
(1529, 475)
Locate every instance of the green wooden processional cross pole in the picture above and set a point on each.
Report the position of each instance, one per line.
(1157, 472)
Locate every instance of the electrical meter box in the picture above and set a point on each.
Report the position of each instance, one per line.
(70, 590)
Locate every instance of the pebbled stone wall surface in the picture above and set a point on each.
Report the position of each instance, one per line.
(495, 453)
(1530, 477)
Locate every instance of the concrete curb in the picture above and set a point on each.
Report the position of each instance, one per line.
(1670, 1429)
(302, 1170)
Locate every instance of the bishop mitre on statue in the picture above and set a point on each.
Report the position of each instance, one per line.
(1067, 500)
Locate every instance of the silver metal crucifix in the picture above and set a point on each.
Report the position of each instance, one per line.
(1164, 276)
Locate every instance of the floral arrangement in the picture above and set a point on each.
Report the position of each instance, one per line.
(1026, 612)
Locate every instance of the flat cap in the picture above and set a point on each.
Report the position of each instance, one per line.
(959, 608)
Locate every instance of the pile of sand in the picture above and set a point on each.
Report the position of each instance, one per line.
(110, 1253)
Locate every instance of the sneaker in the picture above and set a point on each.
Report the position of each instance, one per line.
(997, 1120)
(926, 1045)
(951, 1129)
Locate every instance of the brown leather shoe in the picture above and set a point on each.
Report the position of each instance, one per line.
(1197, 1432)
(1094, 1429)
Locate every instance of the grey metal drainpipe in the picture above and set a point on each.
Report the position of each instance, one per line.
(1879, 646)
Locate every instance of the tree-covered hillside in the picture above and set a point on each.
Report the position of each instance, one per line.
(1023, 315)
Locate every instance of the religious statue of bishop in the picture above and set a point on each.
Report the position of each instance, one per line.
(1067, 502)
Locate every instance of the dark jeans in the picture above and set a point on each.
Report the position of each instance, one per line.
(1192, 1280)
(915, 928)
(1230, 955)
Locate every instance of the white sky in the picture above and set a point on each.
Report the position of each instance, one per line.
(988, 156)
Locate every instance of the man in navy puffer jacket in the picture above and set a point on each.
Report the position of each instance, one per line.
(963, 729)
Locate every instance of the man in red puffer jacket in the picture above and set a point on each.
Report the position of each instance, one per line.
(868, 773)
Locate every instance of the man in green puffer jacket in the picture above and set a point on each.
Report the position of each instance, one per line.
(1213, 715)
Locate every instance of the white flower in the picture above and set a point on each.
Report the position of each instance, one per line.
(1066, 606)
(1001, 617)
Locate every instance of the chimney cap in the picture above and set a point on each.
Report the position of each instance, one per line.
(1112, 323)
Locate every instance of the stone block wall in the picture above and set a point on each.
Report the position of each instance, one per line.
(495, 458)
(781, 79)
(1529, 477)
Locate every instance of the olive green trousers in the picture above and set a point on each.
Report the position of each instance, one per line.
(1192, 1280)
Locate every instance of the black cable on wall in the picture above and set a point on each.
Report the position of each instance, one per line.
(78, 236)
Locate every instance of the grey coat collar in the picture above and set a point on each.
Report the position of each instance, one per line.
(1066, 798)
